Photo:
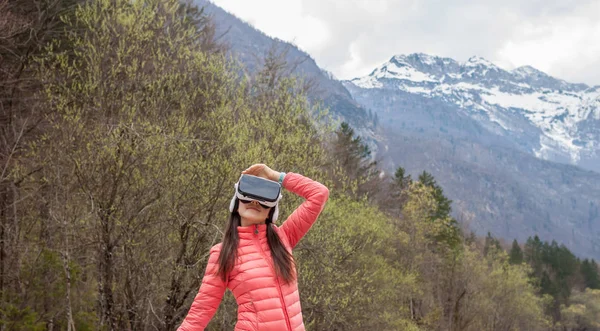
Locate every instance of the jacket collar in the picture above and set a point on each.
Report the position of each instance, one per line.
(252, 231)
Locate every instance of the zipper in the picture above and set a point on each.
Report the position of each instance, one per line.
(285, 312)
(283, 306)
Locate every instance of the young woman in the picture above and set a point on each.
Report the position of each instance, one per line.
(254, 260)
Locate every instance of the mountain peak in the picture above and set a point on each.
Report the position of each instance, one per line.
(535, 77)
(424, 58)
(420, 59)
(476, 61)
(420, 67)
(528, 71)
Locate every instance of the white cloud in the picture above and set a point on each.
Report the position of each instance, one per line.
(351, 37)
(354, 64)
(567, 47)
(285, 20)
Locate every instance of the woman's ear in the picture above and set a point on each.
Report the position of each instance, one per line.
(233, 204)
(274, 213)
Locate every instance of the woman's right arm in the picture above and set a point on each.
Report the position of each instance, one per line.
(302, 219)
(208, 298)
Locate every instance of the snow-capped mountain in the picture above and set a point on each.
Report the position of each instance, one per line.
(512, 149)
(548, 117)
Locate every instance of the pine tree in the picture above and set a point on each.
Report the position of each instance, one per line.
(399, 174)
(353, 155)
(452, 234)
(427, 179)
(533, 255)
(491, 245)
(443, 204)
(554, 266)
(589, 272)
(401, 179)
(516, 254)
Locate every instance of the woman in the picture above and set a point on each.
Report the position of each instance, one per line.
(254, 260)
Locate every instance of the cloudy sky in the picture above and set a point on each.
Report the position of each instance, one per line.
(351, 37)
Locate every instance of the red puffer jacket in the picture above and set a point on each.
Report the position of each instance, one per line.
(265, 302)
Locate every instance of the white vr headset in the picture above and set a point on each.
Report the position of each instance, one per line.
(252, 188)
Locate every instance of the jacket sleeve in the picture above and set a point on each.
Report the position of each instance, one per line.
(300, 221)
(208, 298)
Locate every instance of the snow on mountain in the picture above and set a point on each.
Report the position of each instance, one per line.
(396, 69)
(559, 109)
(525, 71)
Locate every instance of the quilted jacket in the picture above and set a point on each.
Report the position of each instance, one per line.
(264, 301)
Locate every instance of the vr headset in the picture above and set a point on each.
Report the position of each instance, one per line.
(264, 191)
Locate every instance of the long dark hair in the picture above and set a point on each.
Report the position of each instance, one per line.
(282, 258)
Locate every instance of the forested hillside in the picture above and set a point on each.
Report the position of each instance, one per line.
(124, 127)
(250, 46)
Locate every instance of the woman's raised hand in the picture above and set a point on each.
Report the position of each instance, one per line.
(262, 170)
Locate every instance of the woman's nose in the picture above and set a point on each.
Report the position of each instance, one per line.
(254, 202)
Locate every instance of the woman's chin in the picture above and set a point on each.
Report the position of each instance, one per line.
(249, 219)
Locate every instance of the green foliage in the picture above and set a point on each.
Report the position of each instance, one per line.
(516, 254)
(499, 290)
(589, 271)
(441, 211)
(510, 293)
(85, 320)
(139, 145)
(348, 276)
(584, 311)
(352, 156)
(533, 254)
(459, 288)
(491, 245)
(142, 144)
(401, 179)
(555, 269)
(18, 319)
(443, 207)
(419, 207)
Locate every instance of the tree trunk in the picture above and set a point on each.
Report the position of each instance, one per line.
(67, 268)
(106, 276)
(3, 235)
